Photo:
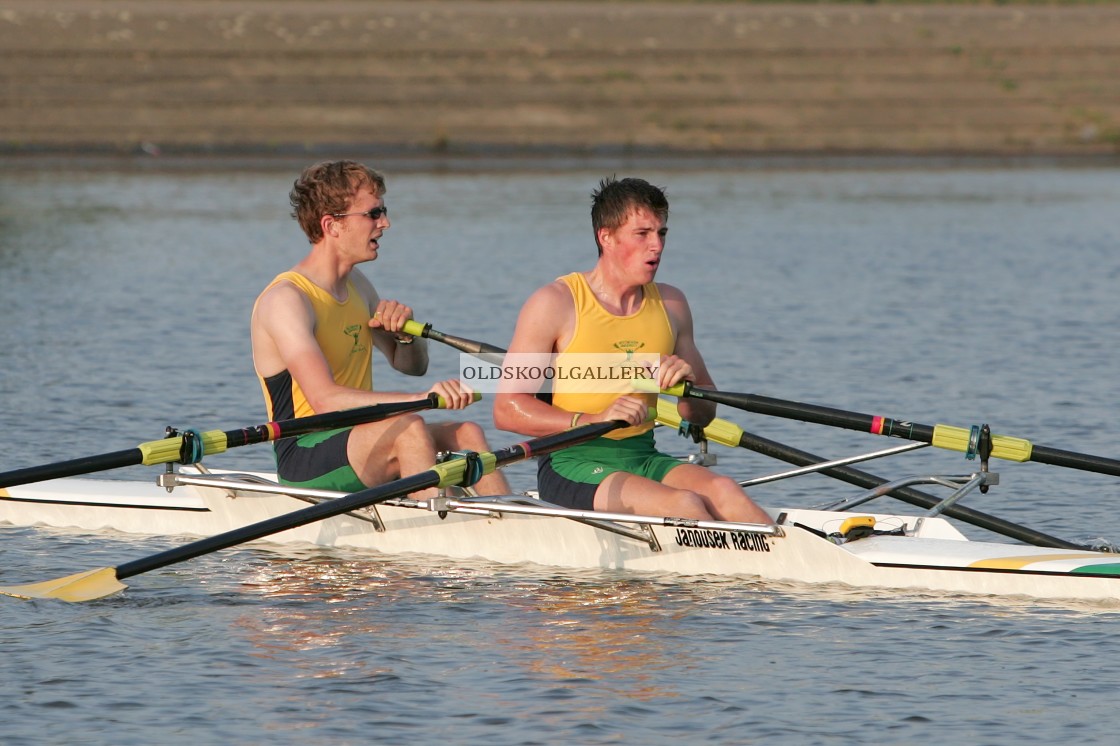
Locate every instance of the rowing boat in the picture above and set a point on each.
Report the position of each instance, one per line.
(833, 545)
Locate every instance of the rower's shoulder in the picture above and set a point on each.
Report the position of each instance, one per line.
(282, 302)
(553, 295)
(283, 286)
(670, 292)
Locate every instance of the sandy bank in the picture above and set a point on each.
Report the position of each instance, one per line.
(548, 79)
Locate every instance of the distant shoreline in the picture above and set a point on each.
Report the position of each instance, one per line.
(502, 84)
(504, 163)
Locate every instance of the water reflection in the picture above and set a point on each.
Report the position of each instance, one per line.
(575, 628)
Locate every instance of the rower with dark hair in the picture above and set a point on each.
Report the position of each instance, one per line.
(617, 309)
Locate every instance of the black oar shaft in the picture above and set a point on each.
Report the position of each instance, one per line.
(906, 494)
(864, 423)
(85, 465)
(357, 500)
(469, 346)
(1013, 448)
(326, 421)
(280, 523)
(167, 450)
(1071, 460)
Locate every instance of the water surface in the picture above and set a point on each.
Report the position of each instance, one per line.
(956, 296)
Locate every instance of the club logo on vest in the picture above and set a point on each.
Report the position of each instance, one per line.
(629, 346)
(355, 331)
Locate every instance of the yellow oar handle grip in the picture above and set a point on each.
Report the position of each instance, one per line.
(167, 450)
(650, 387)
(414, 328)
(441, 403)
(1003, 446)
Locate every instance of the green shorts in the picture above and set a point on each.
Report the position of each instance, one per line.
(594, 461)
(317, 461)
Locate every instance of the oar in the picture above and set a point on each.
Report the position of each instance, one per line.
(940, 436)
(168, 450)
(469, 346)
(104, 581)
(730, 434)
(482, 350)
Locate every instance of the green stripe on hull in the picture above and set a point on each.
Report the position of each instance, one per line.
(1112, 568)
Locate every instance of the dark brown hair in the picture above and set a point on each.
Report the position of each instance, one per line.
(615, 199)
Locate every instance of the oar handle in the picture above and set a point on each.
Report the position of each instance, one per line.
(469, 346)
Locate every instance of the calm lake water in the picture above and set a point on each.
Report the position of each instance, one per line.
(955, 296)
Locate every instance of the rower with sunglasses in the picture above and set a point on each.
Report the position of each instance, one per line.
(313, 332)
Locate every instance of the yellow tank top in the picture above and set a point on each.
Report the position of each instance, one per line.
(342, 331)
(599, 331)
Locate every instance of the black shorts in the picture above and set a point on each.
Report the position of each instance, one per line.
(564, 492)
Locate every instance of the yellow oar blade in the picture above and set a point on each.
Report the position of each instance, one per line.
(82, 586)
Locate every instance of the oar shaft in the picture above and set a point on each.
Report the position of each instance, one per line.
(469, 346)
(280, 523)
(941, 436)
(441, 475)
(1071, 460)
(326, 421)
(819, 415)
(74, 467)
(167, 450)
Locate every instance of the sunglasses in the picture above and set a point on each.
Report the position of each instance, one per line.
(374, 214)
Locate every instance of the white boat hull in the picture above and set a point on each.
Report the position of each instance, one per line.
(938, 558)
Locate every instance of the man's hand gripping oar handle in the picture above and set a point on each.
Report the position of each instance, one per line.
(469, 346)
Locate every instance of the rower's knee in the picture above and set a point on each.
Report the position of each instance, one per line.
(730, 502)
(412, 431)
(470, 435)
(727, 488)
(689, 504)
(403, 431)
